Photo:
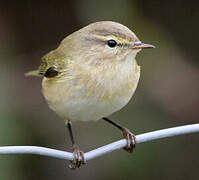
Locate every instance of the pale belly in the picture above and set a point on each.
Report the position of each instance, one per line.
(78, 104)
(84, 108)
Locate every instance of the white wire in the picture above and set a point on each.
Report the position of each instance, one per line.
(187, 129)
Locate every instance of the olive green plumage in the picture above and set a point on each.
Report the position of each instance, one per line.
(92, 73)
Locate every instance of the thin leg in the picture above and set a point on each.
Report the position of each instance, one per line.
(127, 134)
(78, 155)
(70, 132)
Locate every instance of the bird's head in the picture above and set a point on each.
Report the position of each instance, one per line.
(102, 42)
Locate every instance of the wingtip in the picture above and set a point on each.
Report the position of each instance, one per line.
(32, 73)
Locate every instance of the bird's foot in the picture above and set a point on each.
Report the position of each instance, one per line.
(131, 140)
(78, 158)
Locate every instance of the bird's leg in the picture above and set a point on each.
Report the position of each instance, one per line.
(78, 155)
(127, 134)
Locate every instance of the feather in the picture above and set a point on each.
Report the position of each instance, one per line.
(33, 73)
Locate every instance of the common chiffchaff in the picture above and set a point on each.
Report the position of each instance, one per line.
(92, 74)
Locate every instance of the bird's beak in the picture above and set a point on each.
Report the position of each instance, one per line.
(140, 45)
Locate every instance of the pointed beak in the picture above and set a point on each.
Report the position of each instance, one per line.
(140, 45)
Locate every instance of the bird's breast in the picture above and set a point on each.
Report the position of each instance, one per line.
(93, 94)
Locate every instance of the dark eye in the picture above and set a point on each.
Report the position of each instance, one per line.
(112, 43)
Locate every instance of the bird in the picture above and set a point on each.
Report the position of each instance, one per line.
(90, 75)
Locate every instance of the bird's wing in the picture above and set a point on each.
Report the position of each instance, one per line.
(54, 59)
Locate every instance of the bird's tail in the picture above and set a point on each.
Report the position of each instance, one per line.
(33, 73)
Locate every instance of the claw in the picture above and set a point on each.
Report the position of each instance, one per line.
(78, 159)
(131, 140)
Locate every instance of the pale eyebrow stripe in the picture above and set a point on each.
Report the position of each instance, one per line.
(98, 38)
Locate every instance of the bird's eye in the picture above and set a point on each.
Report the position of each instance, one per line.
(111, 43)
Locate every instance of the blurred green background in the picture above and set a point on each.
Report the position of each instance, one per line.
(167, 95)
